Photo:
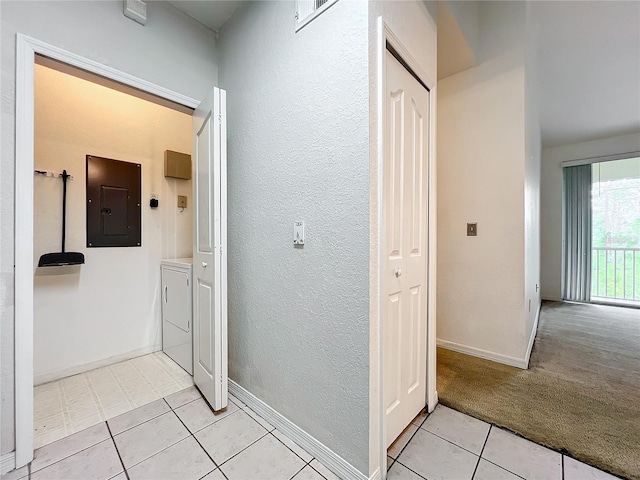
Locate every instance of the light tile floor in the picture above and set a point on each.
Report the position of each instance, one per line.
(180, 437)
(450, 445)
(74, 403)
(176, 437)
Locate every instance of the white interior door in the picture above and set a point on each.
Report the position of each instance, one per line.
(209, 250)
(405, 228)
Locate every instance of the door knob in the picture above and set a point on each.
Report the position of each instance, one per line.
(398, 272)
(204, 264)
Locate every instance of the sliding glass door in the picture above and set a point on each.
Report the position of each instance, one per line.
(616, 231)
(601, 232)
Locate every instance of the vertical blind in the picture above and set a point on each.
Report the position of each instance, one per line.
(576, 234)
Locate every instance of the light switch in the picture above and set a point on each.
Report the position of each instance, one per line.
(298, 233)
(472, 229)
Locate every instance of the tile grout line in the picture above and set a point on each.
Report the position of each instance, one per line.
(486, 439)
(182, 405)
(113, 440)
(492, 426)
(452, 443)
(198, 442)
(267, 432)
(306, 463)
(393, 460)
(295, 474)
(398, 461)
(254, 413)
(165, 448)
(407, 444)
(208, 425)
(325, 478)
(506, 429)
(141, 423)
(238, 453)
(71, 455)
(505, 469)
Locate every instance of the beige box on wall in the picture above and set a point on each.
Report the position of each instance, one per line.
(177, 165)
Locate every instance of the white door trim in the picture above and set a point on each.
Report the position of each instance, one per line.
(384, 35)
(26, 49)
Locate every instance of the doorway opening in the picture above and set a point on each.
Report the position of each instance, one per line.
(615, 200)
(26, 59)
(601, 232)
(97, 326)
(403, 311)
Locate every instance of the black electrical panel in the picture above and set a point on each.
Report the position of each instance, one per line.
(113, 203)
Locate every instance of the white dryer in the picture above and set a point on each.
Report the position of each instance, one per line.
(177, 317)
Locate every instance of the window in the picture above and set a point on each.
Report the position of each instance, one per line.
(307, 10)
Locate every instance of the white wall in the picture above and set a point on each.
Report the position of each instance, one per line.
(481, 178)
(172, 50)
(455, 53)
(110, 306)
(551, 206)
(414, 23)
(467, 15)
(298, 123)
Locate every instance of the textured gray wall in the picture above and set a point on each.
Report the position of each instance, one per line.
(298, 123)
(172, 50)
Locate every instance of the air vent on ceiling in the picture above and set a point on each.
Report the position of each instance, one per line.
(307, 10)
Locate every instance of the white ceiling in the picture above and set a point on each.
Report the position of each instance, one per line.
(589, 67)
(589, 64)
(212, 13)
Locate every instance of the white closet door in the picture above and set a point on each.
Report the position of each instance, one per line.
(405, 248)
(209, 252)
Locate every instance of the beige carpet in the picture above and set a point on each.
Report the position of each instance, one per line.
(580, 395)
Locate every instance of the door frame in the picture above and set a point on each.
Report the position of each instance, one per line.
(377, 430)
(26, 50)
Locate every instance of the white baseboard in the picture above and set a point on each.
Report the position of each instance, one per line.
(57, 374)
(551, 298)
(324, 454)
(7, 462)
(532, 336)
(487, 355)
(377, 475)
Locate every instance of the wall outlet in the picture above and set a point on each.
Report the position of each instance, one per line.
(182, 201)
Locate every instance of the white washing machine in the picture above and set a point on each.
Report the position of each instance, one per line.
(177, 317)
